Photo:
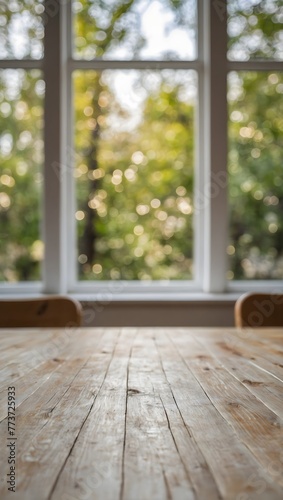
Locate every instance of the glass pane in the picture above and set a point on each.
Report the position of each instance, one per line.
(134, 168)
(21, 29)
(256, 175)
(255, 29)
(21, 159)
(135, 29)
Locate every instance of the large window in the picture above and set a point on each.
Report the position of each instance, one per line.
(118, 163)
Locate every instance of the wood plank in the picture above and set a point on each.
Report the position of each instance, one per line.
(162, 459)
(94, 466)
(266, 348)
(233, 465)
(264, 385)
(153, 468)
(35, 371)
(13, 345)
(44, 439)
(268, 334)
(257, 426)
(233, 344)
(42, 345)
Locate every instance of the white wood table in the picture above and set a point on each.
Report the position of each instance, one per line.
(142, 414)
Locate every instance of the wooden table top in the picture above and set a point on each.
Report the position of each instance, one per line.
(142, 414)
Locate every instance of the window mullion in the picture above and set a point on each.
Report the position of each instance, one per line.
(54, 226)
(69, 154)
(214, 196)
(199, 160)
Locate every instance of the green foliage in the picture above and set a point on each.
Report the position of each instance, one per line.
(140, 200)
(21, 29)
(255, 167)
(255, 28)
(21, 150)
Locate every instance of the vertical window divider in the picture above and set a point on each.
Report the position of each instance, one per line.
(215, 150)
(55, 168)
(70, 155)
(199, 158)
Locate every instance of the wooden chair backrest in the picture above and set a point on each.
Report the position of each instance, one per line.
(40, 312)
(257, 310)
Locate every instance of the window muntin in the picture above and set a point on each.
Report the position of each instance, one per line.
(21, 29)
(21, 161)
(255, 29)
(255, 175)
(134, 136)
(141, 29)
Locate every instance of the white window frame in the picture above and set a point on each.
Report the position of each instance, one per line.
(59, 227)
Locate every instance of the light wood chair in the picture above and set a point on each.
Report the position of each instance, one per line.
(50, 311)
(256, 310)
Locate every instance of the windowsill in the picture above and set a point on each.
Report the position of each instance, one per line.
(154, 298)
(116, 292)
(105, 296)
(169, 292)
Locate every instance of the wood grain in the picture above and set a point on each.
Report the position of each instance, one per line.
(144, 413)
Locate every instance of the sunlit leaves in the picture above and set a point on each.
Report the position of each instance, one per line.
(255, 29)
(21, 158)
(255, 167)
(21, 29)
(164, 29)
(141, 202)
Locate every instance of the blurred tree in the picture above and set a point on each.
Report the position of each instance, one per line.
(255, 29)
(100, 27)
(255, 142)
(143, 203)
(21, 158)
(255, 175)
